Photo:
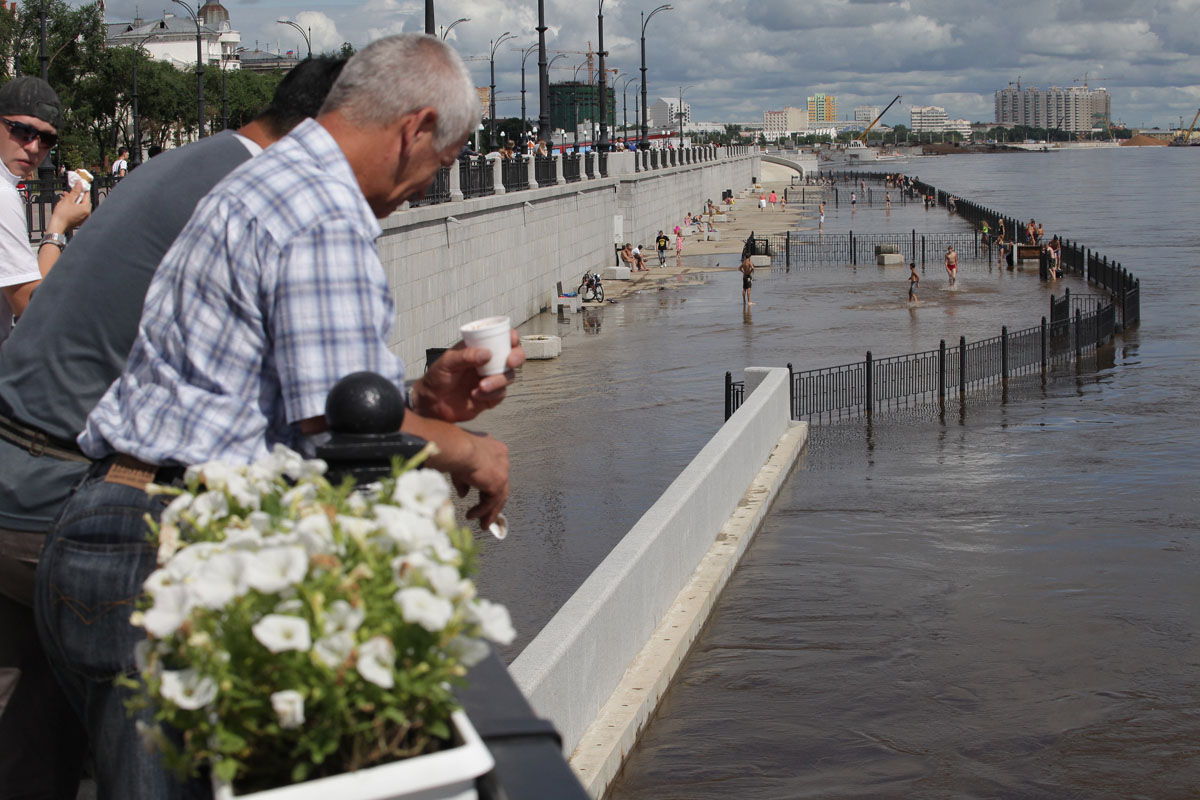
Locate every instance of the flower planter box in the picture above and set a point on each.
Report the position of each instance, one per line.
(447, 775)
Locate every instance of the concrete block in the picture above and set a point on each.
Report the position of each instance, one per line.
(571, 304)
(540, 348)
(889, 259)
(712, 236)
(760, 261)
(886, 249)
(617, 274)
(719, 218)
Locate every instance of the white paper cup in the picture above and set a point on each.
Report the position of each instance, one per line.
(494, 334)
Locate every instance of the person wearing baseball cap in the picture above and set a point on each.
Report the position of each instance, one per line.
(30, 116)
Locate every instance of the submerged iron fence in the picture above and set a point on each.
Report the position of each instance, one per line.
(1078, 324)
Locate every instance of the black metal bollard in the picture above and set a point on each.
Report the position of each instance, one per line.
(870, 388)
(942, 369)
(962, 365)
(1004, 353)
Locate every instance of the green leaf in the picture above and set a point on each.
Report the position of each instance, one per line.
(226, 769)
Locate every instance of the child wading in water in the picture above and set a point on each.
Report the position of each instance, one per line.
(914, 280)
(747, 270)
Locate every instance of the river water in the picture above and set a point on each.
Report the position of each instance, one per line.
(1001, 601)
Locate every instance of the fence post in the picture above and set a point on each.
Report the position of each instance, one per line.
(1078, 343)
(1043, 265)
(922, 249)
(1044, 345)
(913, 257)
(792, 410)
(836, 203)
(787, 248)
(728, 395)
(853, 253)
(942, 370)
(962, 365)
(1004, 353)
(870, 388)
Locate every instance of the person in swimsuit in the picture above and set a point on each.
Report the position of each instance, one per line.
(821, 223)
(952, 264)
(914, 280)
(747, 270)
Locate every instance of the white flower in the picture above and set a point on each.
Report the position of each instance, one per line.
(445, 580)
(219, 580)
(444, 518)
(273, 569)
(376, 660)
(332, 651)
(357, 503)
(259, 521)
(289, 606)
(408, 530)
(208, 507)
(343, 617)
(172, 604)
(156, 580)
(299, 494)
(421, 606)
(289, 707)
(279, 632)
(191, 557)
(214, 474)
(170, 514)
(468, 650)
(405, 567)
(493, 620)
(357, 528)
(422, 491)
(168, 541)
(187, 688)
(243, 492)
(315, 533)
(241, 538)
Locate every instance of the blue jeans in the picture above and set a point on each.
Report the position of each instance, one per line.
(97, 555)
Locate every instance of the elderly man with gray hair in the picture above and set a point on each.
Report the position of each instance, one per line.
(270, 294)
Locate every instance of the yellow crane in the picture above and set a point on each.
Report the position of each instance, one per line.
(862, 137)
(1184, 139)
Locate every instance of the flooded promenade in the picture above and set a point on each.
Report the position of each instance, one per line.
(996, 602)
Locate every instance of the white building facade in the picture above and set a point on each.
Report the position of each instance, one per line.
(927, 119)
(866, 114)
(665, 113)
(173, 38)
(1076, 109)
(785, 122)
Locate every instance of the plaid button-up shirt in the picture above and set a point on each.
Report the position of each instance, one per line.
(272, 292)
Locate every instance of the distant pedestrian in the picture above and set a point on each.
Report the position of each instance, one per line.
(747, 270)
(783, 201)
(678, 246)
(887, 198)
(762, 202)
(821, 222)
(952, 264)
(639, 259)
(120, 167)
(853, 202)
(773, 199)
(662, 243)
(914, 280)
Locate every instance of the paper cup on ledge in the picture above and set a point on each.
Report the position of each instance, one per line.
(494, 334)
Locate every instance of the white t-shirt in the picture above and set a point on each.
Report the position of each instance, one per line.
(121, 165)
(18, 264)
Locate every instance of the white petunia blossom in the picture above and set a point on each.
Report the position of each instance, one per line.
(171, 606)
(377, 660)
(168, 541)
(357, 528)
(299, 494)
(220, 579)
(280, 632)
(188, 689)
(406, 567)
(289, 707)
(409, 530)
(315, 534)
(422, 491)
(420, 606)
(273, 569)
(445, 581)
(468, 650)
(207, 507)
(343, 617)
(493, 620)
(190, 558)
(332, 651)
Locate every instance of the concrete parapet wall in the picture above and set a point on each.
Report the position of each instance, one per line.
(504, 254)
(570, 670)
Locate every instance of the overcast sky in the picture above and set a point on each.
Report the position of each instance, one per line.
(741, 57)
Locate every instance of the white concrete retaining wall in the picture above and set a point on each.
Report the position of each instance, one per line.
(572, 667)
(504, 254)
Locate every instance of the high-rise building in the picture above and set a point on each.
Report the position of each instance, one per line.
(572, 103)
(866, 114)
(927, 119)
(822, 108)
(665, 113)
(1076, 109)
(781, 123)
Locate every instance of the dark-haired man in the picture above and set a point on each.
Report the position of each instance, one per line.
(71, 343)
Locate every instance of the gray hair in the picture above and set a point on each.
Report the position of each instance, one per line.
(398, 75)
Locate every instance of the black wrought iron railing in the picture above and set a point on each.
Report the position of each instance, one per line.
(514, 173)
(570, 168)
(40, 197)
(439, 190)
(543, 170)
(475, 177)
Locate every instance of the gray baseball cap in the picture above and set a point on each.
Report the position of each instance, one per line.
(31, 97)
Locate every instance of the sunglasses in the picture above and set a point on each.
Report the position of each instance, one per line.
(27, 133)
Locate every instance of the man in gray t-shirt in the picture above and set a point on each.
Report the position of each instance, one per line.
(72, 342)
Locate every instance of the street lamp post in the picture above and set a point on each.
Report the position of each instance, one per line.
(603, 139)
(306, 36)
(525, 55)
(492, 94)
(224, 94)
(446, 30)
(645, 21)
(575, 101)
(137, 120)
(625, 105)
(544, 121)
(679, 112)
(543, 72)
(429, 29)
(199, 69)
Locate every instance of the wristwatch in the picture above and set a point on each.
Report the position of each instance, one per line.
(56, 239)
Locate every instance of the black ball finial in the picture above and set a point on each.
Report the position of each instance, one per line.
(364, 402)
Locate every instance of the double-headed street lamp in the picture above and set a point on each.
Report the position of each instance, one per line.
(625, 104)
(446, 30)
(645, 21)
(306, 36)
(224, 94)
(679, 112)
(603, 143)
(199, 69)
(504, 37)
(137, 120)
(524, 55)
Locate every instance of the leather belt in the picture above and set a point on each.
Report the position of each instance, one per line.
(130, 471)
(38, 442)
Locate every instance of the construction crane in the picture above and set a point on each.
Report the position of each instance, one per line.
(862, 137)
(1184, 139)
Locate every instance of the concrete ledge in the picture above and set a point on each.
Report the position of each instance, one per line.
(616, 274)
(889, 259)
(760, 261)
(572, 667)
(713, 236)
(540, 348)
(602, 749)
(572, 304)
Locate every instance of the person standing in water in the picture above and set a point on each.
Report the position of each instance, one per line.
(821, 222)
(914, 280)
(747, 270)
(952, 264)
